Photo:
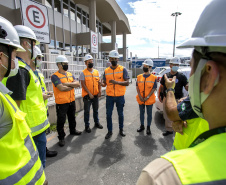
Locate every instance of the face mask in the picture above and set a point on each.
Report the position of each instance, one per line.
(175, 68)
(145, 69)
(114, 62)
(65, 67)
(90, 65)
(38, 63)
(34, 51)
(14, 71)
(196, 97)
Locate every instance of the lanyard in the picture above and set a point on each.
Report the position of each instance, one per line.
(207, 135)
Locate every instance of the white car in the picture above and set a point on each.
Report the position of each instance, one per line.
(185, 70)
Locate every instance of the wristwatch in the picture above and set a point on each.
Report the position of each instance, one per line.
(170, 89)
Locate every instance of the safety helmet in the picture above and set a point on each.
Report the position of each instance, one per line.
(26, 32)
(148, 62)
(174, 60)
(61, 58)
(8, 34)
(88, 57)
(209, 34)
(114, 54)
(39, 53)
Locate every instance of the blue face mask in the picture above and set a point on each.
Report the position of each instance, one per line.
(175, 68)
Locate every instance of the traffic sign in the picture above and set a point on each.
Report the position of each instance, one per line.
(94, 42)
(35, 16)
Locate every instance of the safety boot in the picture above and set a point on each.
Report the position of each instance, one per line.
(141, 128)
(148, 130)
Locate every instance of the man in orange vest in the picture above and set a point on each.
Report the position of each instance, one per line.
(146, 85)
(91, 91)
(63, 88)
(116, 79)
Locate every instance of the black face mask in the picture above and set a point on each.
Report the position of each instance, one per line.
(114, 62)
(145, 69)
(90, 65)
(65, 67)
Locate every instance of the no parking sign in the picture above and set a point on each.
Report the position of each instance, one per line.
(35, 16)
(94, 42)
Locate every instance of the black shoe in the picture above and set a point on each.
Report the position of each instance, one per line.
(50, 153)
(76, 133)
(167, 133)
(87, 129)
(61, 143)
(98, 125)
(141, 128)
(148, 130)
(122, 133)
(108, 135)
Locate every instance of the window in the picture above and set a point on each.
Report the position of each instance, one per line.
(57, 6)
(65, 9)
(72, 11)
(79, 17)
(48, 3)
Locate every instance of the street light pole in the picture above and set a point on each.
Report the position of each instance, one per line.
(175, 14)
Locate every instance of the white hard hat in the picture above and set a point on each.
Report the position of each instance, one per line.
(39, 53)
(8, 34)
(174, 60)
(148, 62)
(114, 54)
(61, 58)
(88, 57)
(210, 30)
(26, 32)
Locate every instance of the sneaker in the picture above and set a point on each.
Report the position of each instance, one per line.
(61, 143)
(98, 125)
(50, 153)
(122, 133)
(76, 133)
(87, 129)
(167, 133)
(141, 128)
(108, 135)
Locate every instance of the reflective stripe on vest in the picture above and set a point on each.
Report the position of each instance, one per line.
(116, 74)
(195, 127)
(91, 82)
(19, 170)
(145, 86)
(43, 85)
(62, 97)
(202, 164)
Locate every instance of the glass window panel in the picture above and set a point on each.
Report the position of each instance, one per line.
(57, 6)
(65, 9)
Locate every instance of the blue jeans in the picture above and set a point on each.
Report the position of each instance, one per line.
(120, 101)
(149, 113)
(40, 142)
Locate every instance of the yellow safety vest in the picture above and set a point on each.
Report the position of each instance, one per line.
(43, 85)
(116, 74)
(195, 127)
(19, 159)
(33, 105)
(202, 164)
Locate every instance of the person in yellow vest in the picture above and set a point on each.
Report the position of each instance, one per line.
(116, 79)
(63, 87)
(146, 85)
(204, 161)
(46, 94)
(19, 160)
(91, 91)
(27, 90)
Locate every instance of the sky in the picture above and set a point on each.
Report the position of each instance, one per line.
(152, 26)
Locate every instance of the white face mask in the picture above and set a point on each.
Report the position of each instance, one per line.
(34, 51)
(175, 68)
(38, 63)
(14, 71)
(196, 97)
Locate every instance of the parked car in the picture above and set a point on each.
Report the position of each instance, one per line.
(157, 70)
(185, 70)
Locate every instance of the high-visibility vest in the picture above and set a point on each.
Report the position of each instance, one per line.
(19, 159)
(145, 86)
(34, 106)
(43, 85)
(195, 127)
(62, 97)
(91, 82)
(116, 74)
(204, 163)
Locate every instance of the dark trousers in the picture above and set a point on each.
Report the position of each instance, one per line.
(63, 110)
(95, 104)
(120, 101)
(149, 114)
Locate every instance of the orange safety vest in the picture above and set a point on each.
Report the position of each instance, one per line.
(145, 86)
(116, 74)
(62, 97)
(91, 82)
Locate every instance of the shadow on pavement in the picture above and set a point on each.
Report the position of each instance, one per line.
(108, 153)
(159, 121)
(167, 141)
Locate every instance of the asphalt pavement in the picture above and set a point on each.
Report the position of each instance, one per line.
(91, 159)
